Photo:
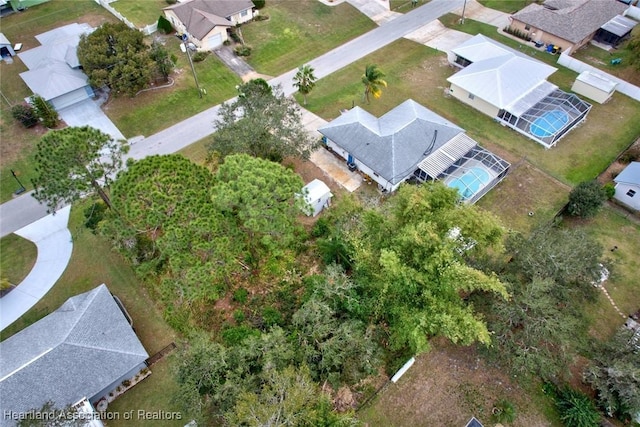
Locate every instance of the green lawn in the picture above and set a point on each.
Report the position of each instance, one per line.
(17, 256)
(611, 230)
(140, 13)
(507, 6)
(155, 110)
(155, 394)
(298, 31)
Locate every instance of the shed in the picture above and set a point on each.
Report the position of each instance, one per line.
(5, 46)
(317, 196)
(594, 86)
(628, 186)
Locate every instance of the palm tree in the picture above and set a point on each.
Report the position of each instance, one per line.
(305, 81)
(372, 81)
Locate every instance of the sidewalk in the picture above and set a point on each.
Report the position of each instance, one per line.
(53, 239)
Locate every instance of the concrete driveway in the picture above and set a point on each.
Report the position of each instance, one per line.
(478, 12)
(439, 37)
(88, 113)
(53, 240)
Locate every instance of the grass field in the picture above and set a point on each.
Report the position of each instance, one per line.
(298, 31)
(507, 6)
(155, 110)
(140, 13)
(17, 256)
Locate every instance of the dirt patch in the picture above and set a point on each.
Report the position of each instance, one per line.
(446, 387)
(617, 166)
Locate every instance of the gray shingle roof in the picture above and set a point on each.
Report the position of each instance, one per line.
(572, 20)
(72, 353)
(630, 174)
(201, 16)
(394, 144)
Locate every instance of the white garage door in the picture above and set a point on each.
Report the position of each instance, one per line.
(70, 98)
(214, 40)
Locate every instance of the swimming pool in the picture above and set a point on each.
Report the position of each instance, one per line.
(470, 182)
(549, 123)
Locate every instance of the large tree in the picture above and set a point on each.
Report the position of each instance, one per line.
(74, 161)
(259, 196)
(373, 81)
(263, 123)
(410, 261)
(615, 374)
(305, 81)
(168, 224)
(117, 56)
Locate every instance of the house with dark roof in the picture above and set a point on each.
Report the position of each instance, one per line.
(512, 88)
(569, 24)
(82, 351)
(54, 70)
(413, 142)
(205, 22)
(628, 186)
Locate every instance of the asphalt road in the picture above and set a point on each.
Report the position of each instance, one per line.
(24, 210)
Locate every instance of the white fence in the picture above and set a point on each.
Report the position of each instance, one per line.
(147, 30)
(579, 66)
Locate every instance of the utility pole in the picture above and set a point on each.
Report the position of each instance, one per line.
(186, 48)
(464, 6)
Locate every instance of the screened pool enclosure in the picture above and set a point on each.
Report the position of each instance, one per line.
(473, 174)
(548, 119)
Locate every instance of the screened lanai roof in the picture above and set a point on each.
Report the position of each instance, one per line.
(534, 96)
(448, 154)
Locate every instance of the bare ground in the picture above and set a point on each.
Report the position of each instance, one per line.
(446, 387)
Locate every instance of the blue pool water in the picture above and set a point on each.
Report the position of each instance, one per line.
(469, 183)
(549, 123)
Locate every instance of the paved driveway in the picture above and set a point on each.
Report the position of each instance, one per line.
(53, 240)
(439, 37)
(88, 113)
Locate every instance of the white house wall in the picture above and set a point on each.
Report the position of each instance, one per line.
(239, 18)
(621, 195)
(362, 167)
(474, 101)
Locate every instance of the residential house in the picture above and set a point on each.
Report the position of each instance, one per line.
(628, 186)
(412, 142)
(54, 70)
(511, 87)
(569, 24)
(82, 351)
(6, 48)
(205, 22)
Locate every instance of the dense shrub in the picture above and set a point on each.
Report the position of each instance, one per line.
(199, 56)
(610, 190)
(164, 26)
(586, 199)
(240, 295)
(261, 17)
(259, 4)
(94, 214)
(45, 111)
(576, 409)
(25, 114)
(631, 155)
(518, 33)
(243, 50)
(236, 334)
